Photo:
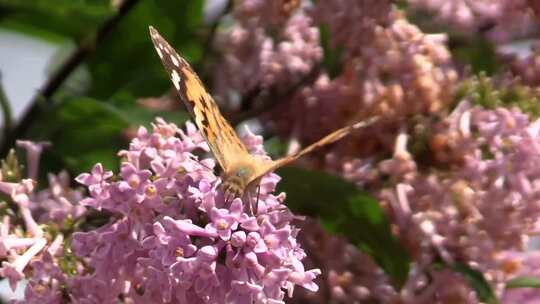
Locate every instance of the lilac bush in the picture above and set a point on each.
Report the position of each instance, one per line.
(171, 237)
(453, 163)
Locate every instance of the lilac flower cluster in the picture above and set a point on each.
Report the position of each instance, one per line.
(500, 20)
(485, 205)
(172, 238)
(353, 24)
(254, 59)
(527, 68)
(24, 241)
(479, 203)
(400, 72)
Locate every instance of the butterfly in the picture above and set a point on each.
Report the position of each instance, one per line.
(241, 170)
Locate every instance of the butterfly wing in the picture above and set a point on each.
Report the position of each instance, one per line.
(220, 136)
(269, 166)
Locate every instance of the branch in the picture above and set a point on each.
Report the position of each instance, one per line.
(6, 109)
(87, 47)
(207, 45)
(273, 98)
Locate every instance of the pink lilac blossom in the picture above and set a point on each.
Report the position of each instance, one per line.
(173, 238)
(501, 20)
(352, 24)
(265, 13)
(45, 283)
(22, 243)
(56, 203)
(527, 68)
(33, 155)
(252, 59)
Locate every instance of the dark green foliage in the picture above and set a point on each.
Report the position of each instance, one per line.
(478, 54)
(124, 103)
(345, 210)
(85, 131)
(481, 90)
(476, 280)
(51, 20)
(127, 55)
(331, 54)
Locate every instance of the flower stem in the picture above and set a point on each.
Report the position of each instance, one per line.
(6, 110)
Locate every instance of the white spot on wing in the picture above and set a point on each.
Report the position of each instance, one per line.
(175, 79)
(159, 53)
(175, 61)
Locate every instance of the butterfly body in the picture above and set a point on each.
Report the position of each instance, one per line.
(241, 170)
(237, 179)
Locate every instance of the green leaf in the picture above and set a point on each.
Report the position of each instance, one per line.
(331, 54)
(477, 281)
(345, 210)
(85, 131)
(523, 282)
(275, 147)
(479, 54)
(49, 18)
(125, 104)
(127, 54)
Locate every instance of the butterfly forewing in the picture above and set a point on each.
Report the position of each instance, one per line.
(220, 136)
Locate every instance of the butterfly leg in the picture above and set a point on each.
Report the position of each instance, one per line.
(257, 201)
(229, 197)
(250, 203)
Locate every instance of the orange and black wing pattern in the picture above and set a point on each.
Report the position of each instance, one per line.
(220, 136)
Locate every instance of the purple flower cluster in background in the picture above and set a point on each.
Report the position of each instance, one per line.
(253, 60)
(500, 20)
(469, 197)
(486, 204)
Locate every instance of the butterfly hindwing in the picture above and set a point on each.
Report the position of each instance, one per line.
(220, 136)
(266, 167)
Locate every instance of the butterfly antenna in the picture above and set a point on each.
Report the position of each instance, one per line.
(228, 199)
(194, 158)
(250, 204)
